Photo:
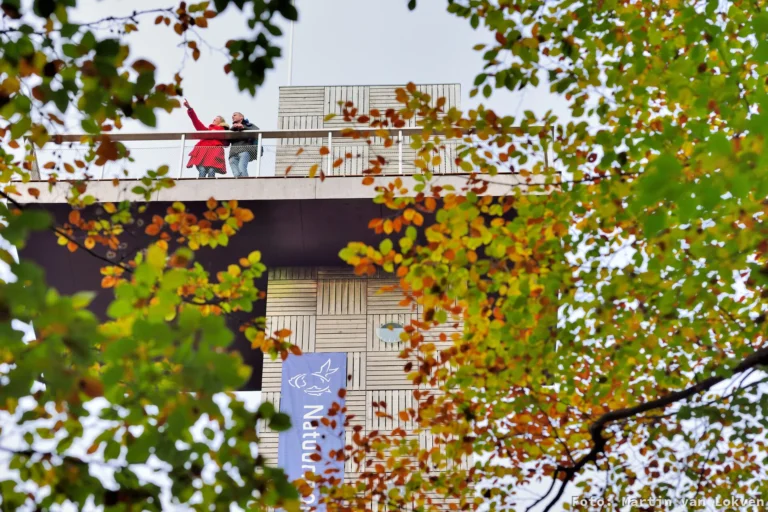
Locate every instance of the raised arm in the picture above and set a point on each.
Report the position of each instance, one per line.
(196, 121)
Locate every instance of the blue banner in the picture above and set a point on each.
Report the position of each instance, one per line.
(310, 384)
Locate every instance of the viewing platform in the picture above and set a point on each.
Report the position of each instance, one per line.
(280, 166)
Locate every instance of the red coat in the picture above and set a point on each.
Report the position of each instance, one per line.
(207, 152)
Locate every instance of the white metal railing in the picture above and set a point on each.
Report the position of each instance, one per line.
(297, 149)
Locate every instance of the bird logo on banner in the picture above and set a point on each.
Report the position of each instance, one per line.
(321, 378)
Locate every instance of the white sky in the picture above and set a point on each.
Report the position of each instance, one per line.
(336, 42)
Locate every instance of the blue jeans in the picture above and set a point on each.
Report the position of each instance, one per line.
(239, 164)
(206, 171)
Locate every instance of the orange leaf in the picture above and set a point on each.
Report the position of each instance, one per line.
(283, 333)
(368, 180)
(152, 230)
(91, 387)
(34, 192)
(295, 350)
(49, 165)
(90, 243)
(324, 150)
(74, 217)
(338, 162)
(404, 416)
(300, 151)
(211, 203)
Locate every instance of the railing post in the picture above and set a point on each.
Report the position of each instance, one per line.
(400, 152)
(181, 154)
(330, 153)
(258, 156)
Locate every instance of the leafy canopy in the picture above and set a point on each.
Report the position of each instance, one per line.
(610, 306)
(91, 409)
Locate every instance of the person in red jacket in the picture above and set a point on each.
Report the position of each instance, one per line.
(208, 154)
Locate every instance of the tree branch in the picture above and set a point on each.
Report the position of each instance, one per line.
(596, 429)
(126, 268)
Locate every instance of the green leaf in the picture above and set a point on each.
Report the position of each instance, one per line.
(280, 422)
(266, 411)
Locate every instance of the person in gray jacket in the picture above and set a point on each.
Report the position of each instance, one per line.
(241, 151)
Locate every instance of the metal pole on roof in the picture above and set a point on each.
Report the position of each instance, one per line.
(290, 53)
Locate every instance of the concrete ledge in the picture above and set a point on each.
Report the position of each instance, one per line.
(259, 189)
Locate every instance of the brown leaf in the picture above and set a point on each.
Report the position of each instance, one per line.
(143, 66)
(34, 192)
(92, 387)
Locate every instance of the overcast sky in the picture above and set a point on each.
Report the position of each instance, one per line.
(336, 42)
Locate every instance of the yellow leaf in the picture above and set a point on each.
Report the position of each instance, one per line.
(90, 243)
(110, 207)
(156, 256)
(211, 203)
(254, 257)
(313, 171)
(233, 270)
